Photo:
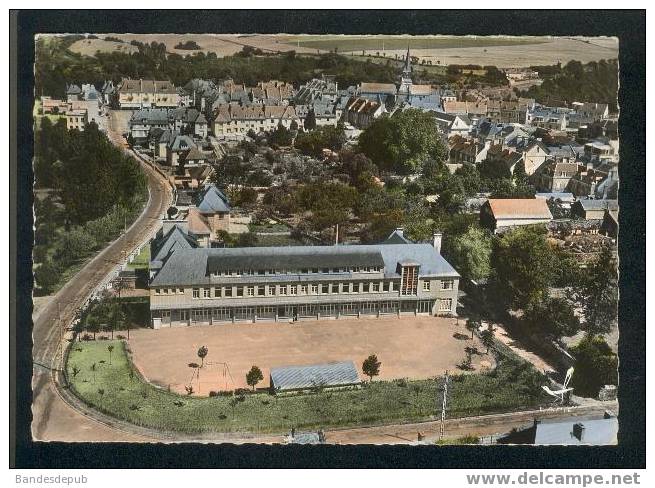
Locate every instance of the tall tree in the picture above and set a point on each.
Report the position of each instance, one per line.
(598, 294)
(470, 253)
(523, 267)
(404, 142)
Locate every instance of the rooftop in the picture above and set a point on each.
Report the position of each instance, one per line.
(520, 208)
(304, 377)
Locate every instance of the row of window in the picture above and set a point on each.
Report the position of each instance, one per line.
(292, 290)
(262, 272)
(304, 310)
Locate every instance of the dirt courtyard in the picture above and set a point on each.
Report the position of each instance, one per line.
(407, 347)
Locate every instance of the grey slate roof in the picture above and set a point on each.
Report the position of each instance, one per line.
(596, 432)
(190, 266)
(174, 239)
(302, 377)
(599, 204)
(212, 200)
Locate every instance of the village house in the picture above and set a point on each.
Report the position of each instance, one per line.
(462, 150)
(502, 214)
(210, 286)
(361, 112)
(207, 215)
(317, 89)
(589, 209)
(452, 124)
(76, 119)
(53, 106)
(189, 121)
(548, 118)
(73, 92)
(144, 120)
(178, 148)
(554, 176)
(235, 121)
(137, 94)
(599, 182)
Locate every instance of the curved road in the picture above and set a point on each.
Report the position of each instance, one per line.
(53, 418)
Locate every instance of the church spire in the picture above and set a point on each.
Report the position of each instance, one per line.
(408, 63)
(406, 77)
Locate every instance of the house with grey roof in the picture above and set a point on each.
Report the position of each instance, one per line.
(574, 431)
(142, 121)
(589, 209)
(177, 148)
(167, 240)
(214, 285)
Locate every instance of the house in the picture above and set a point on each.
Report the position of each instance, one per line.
(554, 176)
(209, 214)
(386, 92)
(501, 214)
(507, 112)
(452, 124)
(53, 106)
(574, 431)
(547, 118)
(177, 148)
(143, 121)
(610, 225)
(108, 92)
(73, 93)
(195, 156)
(189, 121)
(159, 140)
(508, 157)
(362, 112)
(76, 119)
(591, 110)
(137, 94)
(601, 182)
(215, 285)
(474, 110)
(324, 88)
(235, 121)
(593, 209)
(462, 150)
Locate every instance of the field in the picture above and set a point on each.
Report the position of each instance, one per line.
(409, 347)
(379, 42)
(114, 388)
(493, 50)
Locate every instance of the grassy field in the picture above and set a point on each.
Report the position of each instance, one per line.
(358, 43)
(142, 261)
(115, 389)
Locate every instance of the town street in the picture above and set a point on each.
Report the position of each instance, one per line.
(53, 419)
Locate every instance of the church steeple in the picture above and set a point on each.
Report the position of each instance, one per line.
(406, 77)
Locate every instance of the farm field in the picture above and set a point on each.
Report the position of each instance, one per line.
(491, 50)
(112, 386)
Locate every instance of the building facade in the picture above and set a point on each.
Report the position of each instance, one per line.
(211, 286)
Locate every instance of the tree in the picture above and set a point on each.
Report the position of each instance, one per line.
(75, 371)
(595, 365)
(553, 317)
(523, 267)
(93, 324)
(330, 204)
(47, 275)
(110, 348)
(310, 120)
(472, 325)
(402, 143)
(254, 376)
(246, 239)
(371, 366)
(281, 136)
(202, 354)
(470, 253)
(598, 294)
(487, 338)
(93, 370)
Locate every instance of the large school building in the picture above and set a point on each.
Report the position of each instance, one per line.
(194, 285)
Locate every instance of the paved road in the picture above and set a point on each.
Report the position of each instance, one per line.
(53, 418)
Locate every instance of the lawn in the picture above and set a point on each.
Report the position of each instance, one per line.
(118, 390)
(142, 261)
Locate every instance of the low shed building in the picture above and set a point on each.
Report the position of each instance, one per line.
(293, 378)
(497, 214)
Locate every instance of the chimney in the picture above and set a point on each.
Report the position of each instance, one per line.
(578, 431)
(400, 231)
(202, 104)
(436, 241)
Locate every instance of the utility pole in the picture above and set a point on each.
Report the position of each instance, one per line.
(443, 405)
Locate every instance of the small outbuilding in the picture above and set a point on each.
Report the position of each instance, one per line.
(329, 375)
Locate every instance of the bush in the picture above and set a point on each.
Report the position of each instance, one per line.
(595, 366)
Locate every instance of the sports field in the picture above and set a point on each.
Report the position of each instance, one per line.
(408, 347)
